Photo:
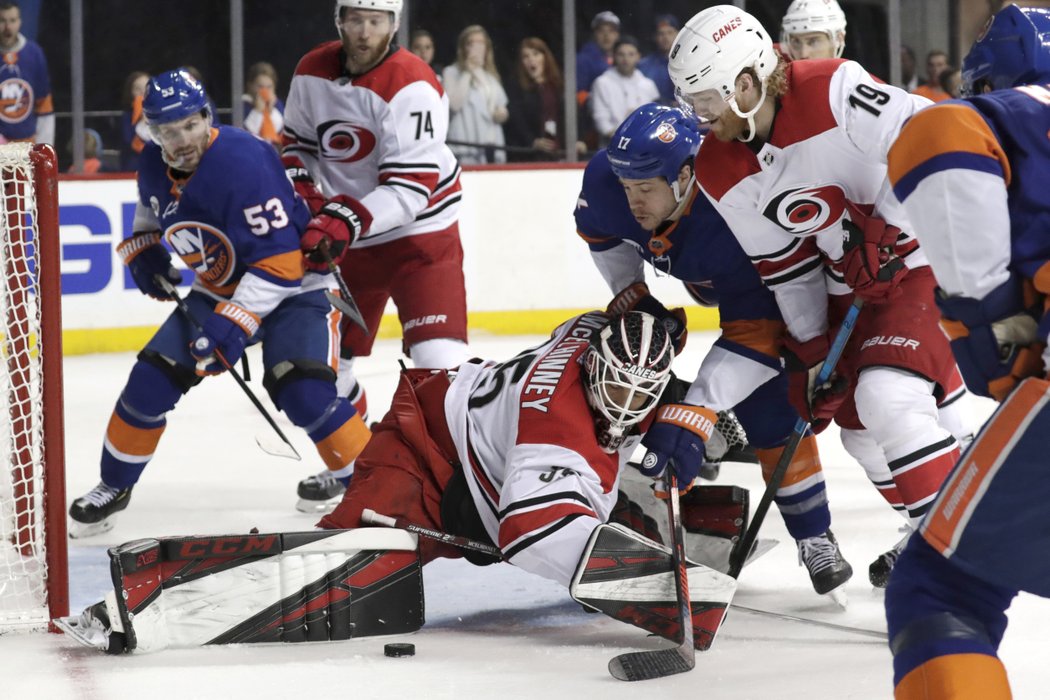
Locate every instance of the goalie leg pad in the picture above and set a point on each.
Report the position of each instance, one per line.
(292, 587)
(630, 578)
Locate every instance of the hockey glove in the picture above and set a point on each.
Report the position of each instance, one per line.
(803, 361)
(340, 222)
(145, 257)
(677, 436)
(869, 265)
(996, 341)
(303, 183)
(226, 333)
(637, 298)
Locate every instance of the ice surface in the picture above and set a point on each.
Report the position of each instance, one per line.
(491, 632)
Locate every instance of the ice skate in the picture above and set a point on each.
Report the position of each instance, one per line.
(92, 514)
(880, 569)
(827, 569)
(317, 493)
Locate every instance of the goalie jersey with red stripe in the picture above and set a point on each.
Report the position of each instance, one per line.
(378, 137)
(525, 435)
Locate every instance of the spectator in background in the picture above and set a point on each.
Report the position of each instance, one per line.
(620, 90)
(421, 43)
(263, 111)
(654, 66)
(595, 57)
(909, 79)
(133, 129)
(537, 111)
(476, 98)
(951, 82)
(92, 153)
(26, 110)
(936, 63)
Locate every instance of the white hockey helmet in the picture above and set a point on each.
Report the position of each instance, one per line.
(392, 6)
(713, 48)
(804, 16)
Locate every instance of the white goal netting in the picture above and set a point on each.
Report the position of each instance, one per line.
(23, 478)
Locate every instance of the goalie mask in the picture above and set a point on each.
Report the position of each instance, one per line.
(807, 16)
(626, 368)
(1012, 50)
(654, 141)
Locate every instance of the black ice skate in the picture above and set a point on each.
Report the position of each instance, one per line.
(92, 514)
(827, 569)
(316, 492)
(880, 569)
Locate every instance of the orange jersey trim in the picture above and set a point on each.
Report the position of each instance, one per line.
(286, 266)
(760, 335)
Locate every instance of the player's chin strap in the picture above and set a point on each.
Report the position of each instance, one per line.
(749, 115)
(679, 195)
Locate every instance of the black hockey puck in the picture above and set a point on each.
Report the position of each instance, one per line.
(400, 649)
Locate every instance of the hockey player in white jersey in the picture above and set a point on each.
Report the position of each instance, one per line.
(798, 170)
(813, 29)
(364, 137)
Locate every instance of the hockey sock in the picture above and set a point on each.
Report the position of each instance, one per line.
(137, 423)
(337, 430)
(802, 497)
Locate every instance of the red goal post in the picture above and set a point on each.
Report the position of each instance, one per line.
(34, 585)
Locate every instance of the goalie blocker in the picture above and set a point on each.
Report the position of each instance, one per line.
(292, 587)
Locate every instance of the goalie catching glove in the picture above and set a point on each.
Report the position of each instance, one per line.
(145, 257)
(225, 333)
(637, 298)
(803, 361)
(869, 265)
(340, 222)
(678, 436)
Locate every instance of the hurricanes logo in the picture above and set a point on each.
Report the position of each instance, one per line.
(16, 100)
(803, 211)
(344, 142)
(205, 249)
(666, 132)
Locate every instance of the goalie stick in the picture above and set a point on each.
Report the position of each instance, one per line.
(370, 517)
(658, 663)
(739, 555)
(267, 446)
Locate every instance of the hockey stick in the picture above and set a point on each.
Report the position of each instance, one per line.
(371, 517)
(657, 663)
(344, 303)
(740, 552)
(270, 448)
(809, 621)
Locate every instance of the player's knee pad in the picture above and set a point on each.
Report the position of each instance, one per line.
(183, 378)
(153, 388)
(439, 353)
(291, 371)
(893, 403)
(862, 447)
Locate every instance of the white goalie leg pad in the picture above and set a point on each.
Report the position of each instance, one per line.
(290, 587)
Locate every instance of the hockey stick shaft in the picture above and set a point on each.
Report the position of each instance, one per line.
(230, 369)
(345, 302)
(740, 552)
(809, 621)
(370, 517)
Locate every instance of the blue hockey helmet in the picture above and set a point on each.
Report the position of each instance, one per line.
(172, 96)
(654, 141)
(1013, 49)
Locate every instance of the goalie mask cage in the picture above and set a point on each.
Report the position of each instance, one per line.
(34, 586)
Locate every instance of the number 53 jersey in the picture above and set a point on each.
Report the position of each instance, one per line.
(785, 199)
(235, 221)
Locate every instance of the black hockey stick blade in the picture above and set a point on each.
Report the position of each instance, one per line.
(646, 665)
(346, 305)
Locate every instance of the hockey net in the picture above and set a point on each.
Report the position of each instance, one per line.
(33, 576)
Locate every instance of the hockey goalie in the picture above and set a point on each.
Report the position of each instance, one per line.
(527, 455)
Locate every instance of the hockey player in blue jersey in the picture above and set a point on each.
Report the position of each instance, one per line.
(639, 205)
(986, 536)
(220, 198)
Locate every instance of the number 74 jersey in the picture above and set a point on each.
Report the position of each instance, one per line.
(785, 202)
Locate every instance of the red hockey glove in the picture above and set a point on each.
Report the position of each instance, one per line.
(637, 298)
(871, 269)
(341, 221)
(303, 183)
(145, 257)
(817, 404)
(225, 332)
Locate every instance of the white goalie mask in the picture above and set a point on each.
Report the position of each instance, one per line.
(713, 48)
(393, 6)
(626, 369)
(805, 16)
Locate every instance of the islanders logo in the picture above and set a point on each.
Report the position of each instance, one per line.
(666, 132)
(16, 100)
(205, 249)
(344, 142)
(803, 211)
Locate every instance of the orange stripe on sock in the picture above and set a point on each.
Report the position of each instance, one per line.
(344, 445)
(956, 677)
(138, 442)
(804, 464)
